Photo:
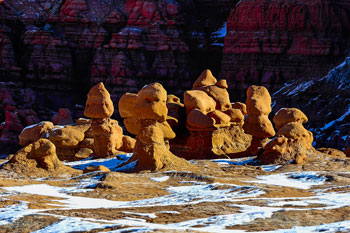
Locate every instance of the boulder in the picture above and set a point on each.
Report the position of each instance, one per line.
(200, 100)
(100, 168)
(240, 106)
(38, 159)
(34, 132)
(126, 104)
(68, 136)
(205, 79)
(128, 144)
(196, 119)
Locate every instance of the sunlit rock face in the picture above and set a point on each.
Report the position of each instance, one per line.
(273, 42)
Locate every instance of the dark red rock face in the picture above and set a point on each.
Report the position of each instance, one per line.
(271, 42)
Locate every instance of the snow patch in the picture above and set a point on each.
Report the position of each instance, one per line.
(160, 179)
(301, 180)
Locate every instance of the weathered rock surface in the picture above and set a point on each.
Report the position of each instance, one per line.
(38, 159)
(292, 142)
(147, 119)
(326, 102)
(272, 42)
(214, 127)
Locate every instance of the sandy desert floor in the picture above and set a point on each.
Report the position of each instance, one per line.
(226, 196)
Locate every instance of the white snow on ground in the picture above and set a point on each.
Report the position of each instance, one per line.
(13, 212)
(71, 224)
(299, 180)
(111, 163)
(148, 215)
(181, 195)
(325, 228)
(160, 179)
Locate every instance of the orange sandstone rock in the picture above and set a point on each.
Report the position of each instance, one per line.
(235, 115)
(257, 123)
(128, 144)
(200, 100)
(68, 136)
(151, 103)
(292, 142)
(220, 118)
(205, 79)
(220, 95)
(33, 133)
(107, 137)
(147, 119)
(286, 115)
(198, 120)
(99, 103)
(126, 104)
(240, 106)
(100, 168)
(332, 152)
(38, 159)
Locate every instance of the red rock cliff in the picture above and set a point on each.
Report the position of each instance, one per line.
(271, 42)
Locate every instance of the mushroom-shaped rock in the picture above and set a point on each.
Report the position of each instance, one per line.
(200, 100)
(63, 117)
(34, 132)
(291, 141)
(257, 123)
(205, 79)
(99, 103)
(287, 115)
(38, 159)
(151, 103)
(148, 121)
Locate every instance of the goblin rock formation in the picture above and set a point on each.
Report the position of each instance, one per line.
(292, 142)
(145, 115)
(107, 134)
(214, 126)
(257, 123)
(271, 42)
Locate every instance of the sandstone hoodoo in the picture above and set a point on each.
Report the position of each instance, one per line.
(107, 134)
(292, 142)
(212, 127)
(145, 115)
(257, 123)
(38, 159)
